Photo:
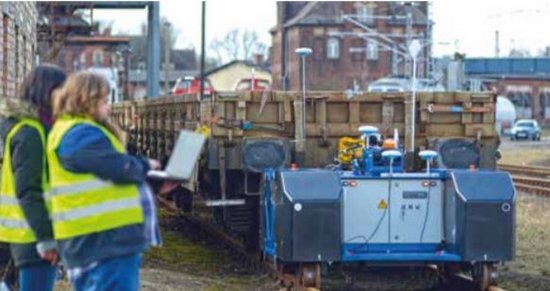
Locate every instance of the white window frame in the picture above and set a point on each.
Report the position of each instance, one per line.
(333, 48)
(82, 60)
(372, 50)
(365, 14)
(97, 57)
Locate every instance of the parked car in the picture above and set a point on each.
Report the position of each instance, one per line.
(526, 128)
(389, 85)
(248, 84)
(191, 85)
(403, 85)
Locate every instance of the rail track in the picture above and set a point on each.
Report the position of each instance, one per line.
(303, 277)
(299, 277)
(529, 179)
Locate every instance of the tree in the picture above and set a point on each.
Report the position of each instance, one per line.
(519, 53)
(237, 45)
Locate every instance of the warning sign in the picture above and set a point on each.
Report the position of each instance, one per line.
(382, 204)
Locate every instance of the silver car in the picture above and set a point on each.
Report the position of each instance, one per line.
(525, 129)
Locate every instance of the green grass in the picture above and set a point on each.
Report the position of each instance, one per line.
(194, 258)
(533, 235)
(538, 157)
(531, 268)
(182, 254)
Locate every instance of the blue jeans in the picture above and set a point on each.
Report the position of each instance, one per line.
(121, 274)
(37, 278)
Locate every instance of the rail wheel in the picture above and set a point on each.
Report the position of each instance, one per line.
(484, 275)
(447, 271)
(310, 275)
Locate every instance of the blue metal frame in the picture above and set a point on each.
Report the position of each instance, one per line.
(269, 216)
(153, 49)
(441, 175)
(376, 252)
(369, 168)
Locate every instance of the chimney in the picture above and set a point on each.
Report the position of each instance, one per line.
(258, 59)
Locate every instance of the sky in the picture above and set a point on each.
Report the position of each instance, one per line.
(465, 26)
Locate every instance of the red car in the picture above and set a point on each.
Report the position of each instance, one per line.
(248, 84)
(191, 85)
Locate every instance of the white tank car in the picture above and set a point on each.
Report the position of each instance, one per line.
(505, 115)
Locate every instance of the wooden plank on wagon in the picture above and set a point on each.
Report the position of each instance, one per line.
(354, 112)
(387, 117)
(486, 130)
(444, 130)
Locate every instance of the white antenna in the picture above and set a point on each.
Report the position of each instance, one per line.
(396, 138)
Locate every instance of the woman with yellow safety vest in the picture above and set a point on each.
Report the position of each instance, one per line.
(24, 219)
(96, 213)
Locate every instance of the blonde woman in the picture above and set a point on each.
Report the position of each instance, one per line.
(97, 216)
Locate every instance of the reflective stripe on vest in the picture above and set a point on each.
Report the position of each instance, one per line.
(81, 202)
(77, 188)
(13, 225)
(98, 209)
(7, 199)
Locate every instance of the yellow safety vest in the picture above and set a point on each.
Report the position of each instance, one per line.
(13, 225)
(84, 203)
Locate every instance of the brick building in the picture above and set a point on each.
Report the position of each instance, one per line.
(18, 36)
(346, 54)
(98, 50)
(183, 62)
(525, 81)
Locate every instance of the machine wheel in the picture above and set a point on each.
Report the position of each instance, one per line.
(447, 271)
(310, 275)
(484, 275)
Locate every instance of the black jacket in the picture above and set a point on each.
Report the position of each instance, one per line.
(27, 154)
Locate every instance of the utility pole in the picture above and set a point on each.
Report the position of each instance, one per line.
(126, 54)
(153, 49)
(301, 128)
(497, 44)
(166, 58)
(408, 32)
(203, 33)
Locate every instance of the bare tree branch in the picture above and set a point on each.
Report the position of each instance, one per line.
(237, 45)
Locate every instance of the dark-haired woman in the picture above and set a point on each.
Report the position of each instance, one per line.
(24, 218)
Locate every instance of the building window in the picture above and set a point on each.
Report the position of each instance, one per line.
(372, 50)
(98, 57)
(333, 48)
(82, 60)
(365, 14)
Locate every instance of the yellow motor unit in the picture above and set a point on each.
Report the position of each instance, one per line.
(350, 148)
